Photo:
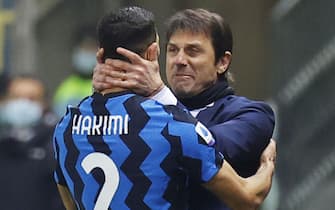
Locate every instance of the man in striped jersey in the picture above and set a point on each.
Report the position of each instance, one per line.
(119, 150)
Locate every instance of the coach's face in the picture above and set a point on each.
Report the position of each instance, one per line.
(190, 63)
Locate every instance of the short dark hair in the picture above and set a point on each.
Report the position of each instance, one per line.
(132, 28)
(203, 21)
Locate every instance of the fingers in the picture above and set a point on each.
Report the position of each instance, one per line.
(99, 82)
(125, 82)
(274, 146)
(133, 57)
(109, 72)
(119, 65)
(270, 153)
(104, 75)
(115, 75)
(273, 150)
(107, 69)
(99, 55)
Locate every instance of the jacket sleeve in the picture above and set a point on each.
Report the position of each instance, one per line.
(245, 134)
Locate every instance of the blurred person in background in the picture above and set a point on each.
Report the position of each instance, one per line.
(79, 83)
(4, 79)
(3, 85)
(198, 55)
(26, 157)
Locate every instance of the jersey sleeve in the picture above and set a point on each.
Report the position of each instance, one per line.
(199, 158)
(58, 174)
(165, 97)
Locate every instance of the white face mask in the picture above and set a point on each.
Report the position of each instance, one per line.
(84, 61)
(21, 113)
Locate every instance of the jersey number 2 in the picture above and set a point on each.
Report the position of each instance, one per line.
(107, 165)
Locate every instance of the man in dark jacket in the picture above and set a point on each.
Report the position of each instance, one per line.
(198, 55)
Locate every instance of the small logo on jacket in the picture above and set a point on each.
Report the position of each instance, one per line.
(205, 134)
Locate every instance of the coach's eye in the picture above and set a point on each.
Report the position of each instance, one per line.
(172, 49)
(193, 51)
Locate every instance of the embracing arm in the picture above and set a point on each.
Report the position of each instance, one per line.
(66, 197)
(244, 194)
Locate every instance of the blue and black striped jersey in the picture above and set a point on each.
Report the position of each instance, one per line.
(123, 151)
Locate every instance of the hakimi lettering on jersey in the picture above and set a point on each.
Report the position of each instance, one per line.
(100, 125)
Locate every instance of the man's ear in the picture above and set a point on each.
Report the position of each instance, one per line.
(224, 62)
(152, 52)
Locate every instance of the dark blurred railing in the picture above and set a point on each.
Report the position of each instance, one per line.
(303, 37)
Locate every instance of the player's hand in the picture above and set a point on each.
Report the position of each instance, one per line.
(269, 154)
(101, 74)
(140, 75)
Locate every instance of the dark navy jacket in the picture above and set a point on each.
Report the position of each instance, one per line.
(242, 129)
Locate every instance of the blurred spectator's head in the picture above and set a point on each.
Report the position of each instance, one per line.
(84, 52)
(24, 102)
